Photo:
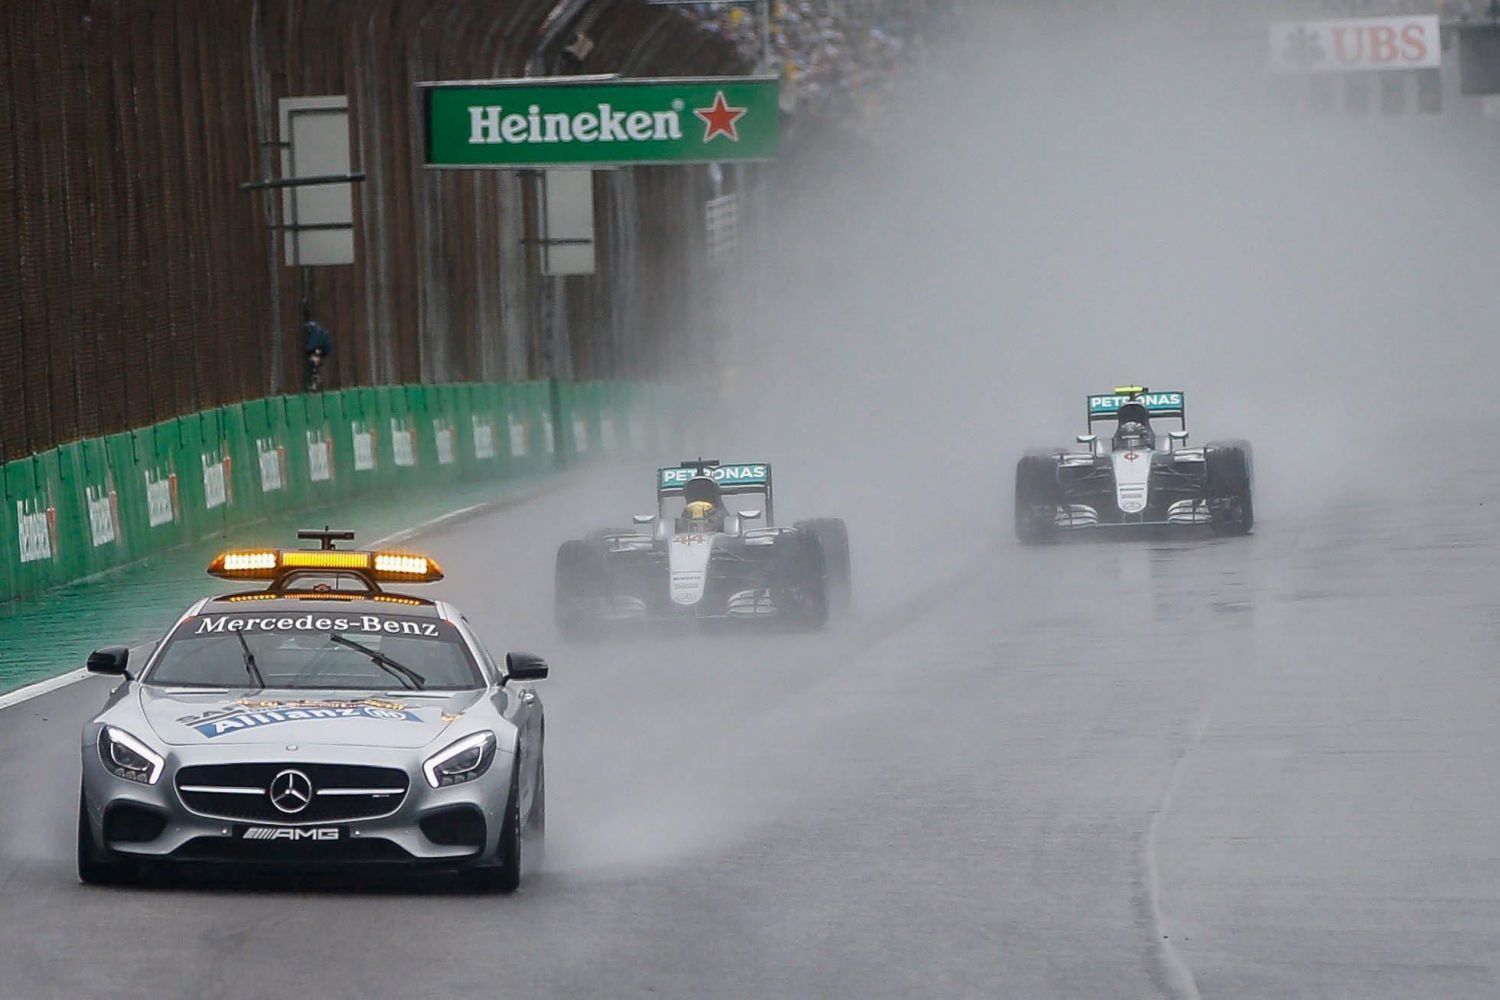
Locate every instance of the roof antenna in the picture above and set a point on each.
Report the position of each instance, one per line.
(326, 537)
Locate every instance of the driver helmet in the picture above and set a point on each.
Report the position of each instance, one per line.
(701, 515)
(704, 508)
(1133, 435)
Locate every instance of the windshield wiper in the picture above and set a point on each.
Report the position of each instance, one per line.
(406, 675)
(250, 667)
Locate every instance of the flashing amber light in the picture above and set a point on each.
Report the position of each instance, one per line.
(268, 564)
(242, 561)
(1130, 390)
(318, 559)
(403, 566)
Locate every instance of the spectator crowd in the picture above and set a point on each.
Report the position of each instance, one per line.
(834, 57)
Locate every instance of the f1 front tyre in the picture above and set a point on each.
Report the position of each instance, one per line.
(1037, 498)
(832, 536)
(1229, 488)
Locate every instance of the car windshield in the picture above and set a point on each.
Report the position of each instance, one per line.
(358, 652)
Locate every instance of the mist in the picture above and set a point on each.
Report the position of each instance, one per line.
(1067, 200)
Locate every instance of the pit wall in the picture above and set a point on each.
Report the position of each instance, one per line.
(89, 506)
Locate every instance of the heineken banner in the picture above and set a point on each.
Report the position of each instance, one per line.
(600, 122)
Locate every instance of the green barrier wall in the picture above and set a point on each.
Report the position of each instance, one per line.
(92, 505)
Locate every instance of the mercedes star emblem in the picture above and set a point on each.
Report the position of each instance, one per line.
(291, 791)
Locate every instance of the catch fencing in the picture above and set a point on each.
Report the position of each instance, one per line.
(139, 283)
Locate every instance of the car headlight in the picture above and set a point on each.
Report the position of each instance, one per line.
(463, 761)
(126, 757)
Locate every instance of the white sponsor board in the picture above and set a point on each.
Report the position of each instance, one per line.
(443, 435)
(271, 478)
(159, 507)
(403, 444)
(35, 532)
(549, 436)
(518, 436)
(484, 438)
(1356, 45)
(580, 435)
(215, 486)
(319, 457)
(364, 450)
(102, 528)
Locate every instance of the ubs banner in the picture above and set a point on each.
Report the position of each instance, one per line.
(1355, 45)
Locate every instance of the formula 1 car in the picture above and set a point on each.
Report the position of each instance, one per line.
(1139, 481)
(323, 721)
(695, 560)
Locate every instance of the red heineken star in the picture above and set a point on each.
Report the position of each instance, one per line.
(719, 119)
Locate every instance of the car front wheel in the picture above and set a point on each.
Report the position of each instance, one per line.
(505, 874)
(96, 865)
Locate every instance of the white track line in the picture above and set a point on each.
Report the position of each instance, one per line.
(40, 688)
(1179, 976)
(428, 525)
(36, 690)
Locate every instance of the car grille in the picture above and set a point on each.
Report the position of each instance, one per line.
(281, 852)
(341, 792)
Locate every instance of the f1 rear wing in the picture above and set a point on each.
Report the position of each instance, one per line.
(1168, 405)
(750, 477)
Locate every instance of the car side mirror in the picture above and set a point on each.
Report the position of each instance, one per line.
(643, 518)
(525, 667)
(1087, 438)
(749, 513)
(1177, 435)
(110, 660)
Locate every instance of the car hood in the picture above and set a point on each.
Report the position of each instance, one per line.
(182, 717)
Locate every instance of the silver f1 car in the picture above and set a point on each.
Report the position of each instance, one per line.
(1139, 481)
(323, 721)
(695, 560)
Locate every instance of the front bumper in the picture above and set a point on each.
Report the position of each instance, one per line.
(125, 814)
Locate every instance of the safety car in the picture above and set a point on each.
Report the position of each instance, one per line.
(324, 720)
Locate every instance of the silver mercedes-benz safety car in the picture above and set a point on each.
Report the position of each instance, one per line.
(321, 721)
(1134, 479)
(696, 560)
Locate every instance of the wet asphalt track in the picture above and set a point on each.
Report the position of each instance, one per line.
(1257, 768)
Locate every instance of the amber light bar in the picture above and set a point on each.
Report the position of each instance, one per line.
(270, 564)
(301, 559)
